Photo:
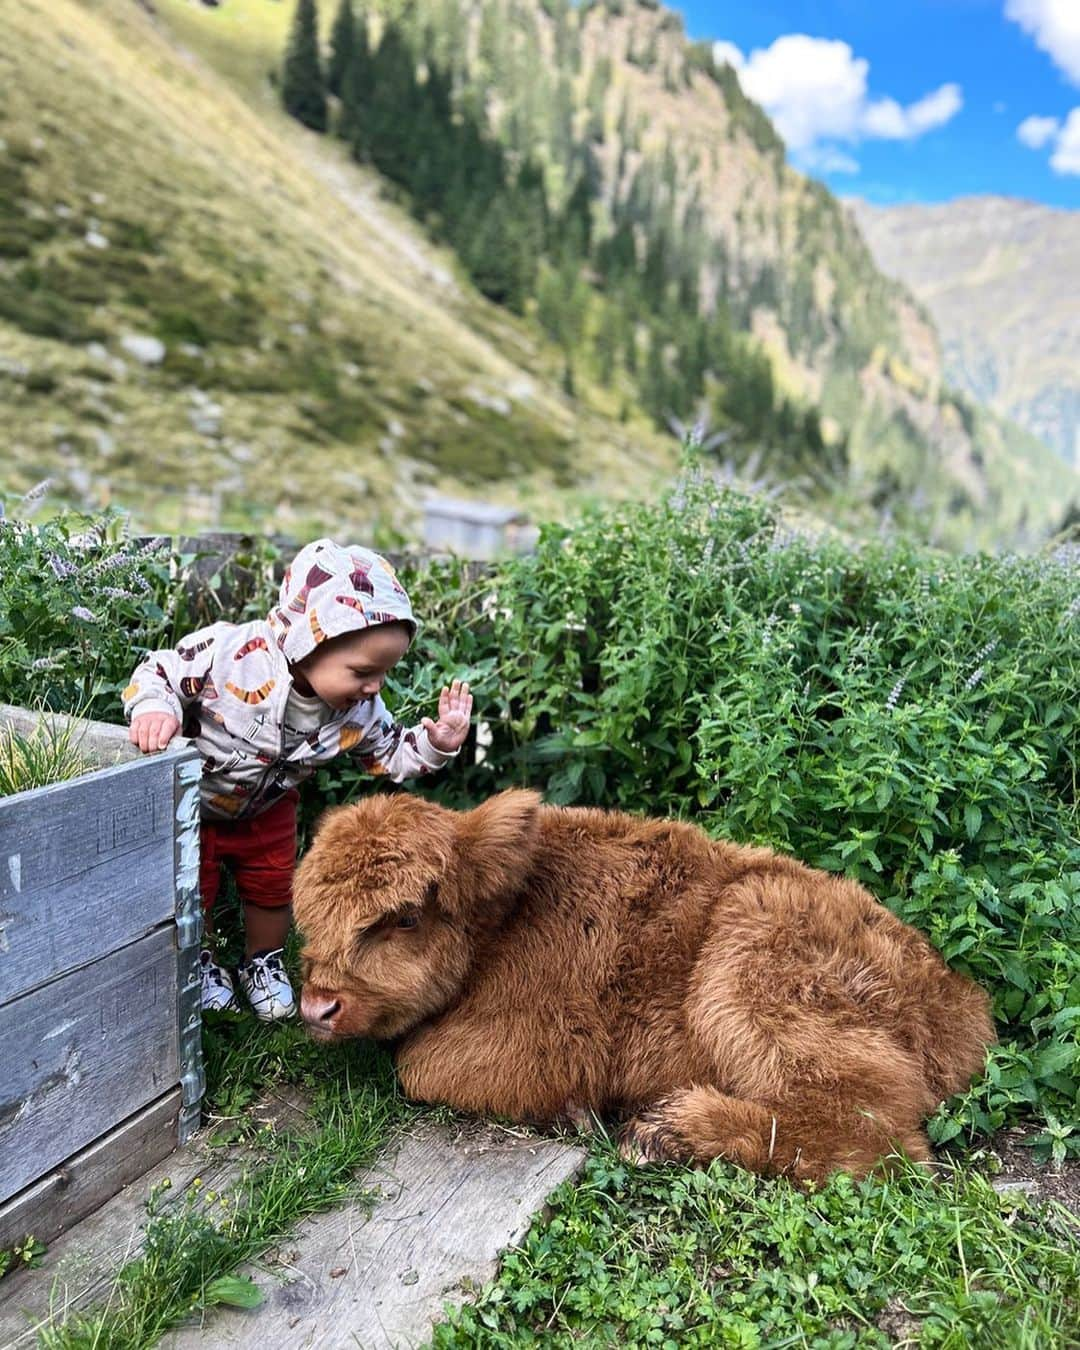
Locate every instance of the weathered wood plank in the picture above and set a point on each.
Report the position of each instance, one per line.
(83, 1183)
(85, 867)
(80, 1267)
(84, 1052)
(450, 1206)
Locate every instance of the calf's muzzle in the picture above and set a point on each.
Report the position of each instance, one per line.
(318, 1009)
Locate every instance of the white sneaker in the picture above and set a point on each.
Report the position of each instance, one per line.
(218, 994)
(264, 981)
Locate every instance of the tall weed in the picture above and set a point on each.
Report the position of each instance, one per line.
(907, 717)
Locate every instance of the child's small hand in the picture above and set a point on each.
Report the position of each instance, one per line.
(153, 731)
(455, 709)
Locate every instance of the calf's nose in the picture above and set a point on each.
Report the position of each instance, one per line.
(318, 1009)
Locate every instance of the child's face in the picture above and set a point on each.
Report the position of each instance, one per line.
(353, 667)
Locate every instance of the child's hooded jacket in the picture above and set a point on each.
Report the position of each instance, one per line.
(228, 684)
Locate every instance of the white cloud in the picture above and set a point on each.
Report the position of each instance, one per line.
(828, 159)
(1066, 156)
(728, 52)
(1035, 132)
(1055, 26)
(887, 119)
(815, 90)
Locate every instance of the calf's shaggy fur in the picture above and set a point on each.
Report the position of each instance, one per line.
(542, 963)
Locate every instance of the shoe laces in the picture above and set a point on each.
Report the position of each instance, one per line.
(262, 967)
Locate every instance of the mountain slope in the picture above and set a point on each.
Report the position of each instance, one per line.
(321, 361)
(616, 91)
(208, 313)
(1001, 278)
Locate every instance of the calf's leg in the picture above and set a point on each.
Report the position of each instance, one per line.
(474, 1062)
(805, 1015)
(807, 1135)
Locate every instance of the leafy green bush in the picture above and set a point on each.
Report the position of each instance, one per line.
(906, 717)
(82, 602)
(79, 605)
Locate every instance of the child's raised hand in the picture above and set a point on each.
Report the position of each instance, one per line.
(455, 708)
(153, 731)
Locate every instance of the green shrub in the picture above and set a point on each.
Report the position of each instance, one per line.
(903, 716)
(669, 1257)
(79, 605)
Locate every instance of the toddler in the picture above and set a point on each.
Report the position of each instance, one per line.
(267, 703)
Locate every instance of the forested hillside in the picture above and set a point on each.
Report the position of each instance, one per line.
(697, 222)
(208, 315)
(502, 247)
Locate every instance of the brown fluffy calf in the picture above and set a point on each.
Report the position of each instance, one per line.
(541, 963)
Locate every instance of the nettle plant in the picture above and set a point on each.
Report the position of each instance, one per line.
(80, 602)
(904, 716)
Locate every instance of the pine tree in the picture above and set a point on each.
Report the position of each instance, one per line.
(534, 204)
(434, 139)
(655, 270)
(616, 257)
(654, 391)
(342, 45)
(497, 259)
(391, 126)
(815, 441)
(302, 89)
(356, 94)
(610, 339)
(576, 228)
(630, 347)
(562, 305)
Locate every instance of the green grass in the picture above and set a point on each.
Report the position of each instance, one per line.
(665, 1257)
(194, 1244)
(48, 754)
(195, 1241)
(668, 1257)
(883, 710)
(292, 294)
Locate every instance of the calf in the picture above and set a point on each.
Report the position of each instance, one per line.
(546, 963)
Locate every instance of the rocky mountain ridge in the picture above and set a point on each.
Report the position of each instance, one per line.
(1001, 277)
(670, 137)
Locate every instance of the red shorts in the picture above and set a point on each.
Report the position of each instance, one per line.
(259, 851)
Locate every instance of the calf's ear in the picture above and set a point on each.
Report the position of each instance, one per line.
(494, 847)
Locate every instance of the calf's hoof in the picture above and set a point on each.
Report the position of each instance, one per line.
(647, 1139)
(576, 1118)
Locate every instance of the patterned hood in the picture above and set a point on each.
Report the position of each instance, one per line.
(330, 589)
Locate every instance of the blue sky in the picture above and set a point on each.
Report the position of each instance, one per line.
(926, 98)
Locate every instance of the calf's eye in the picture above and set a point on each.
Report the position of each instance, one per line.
(408, 921)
